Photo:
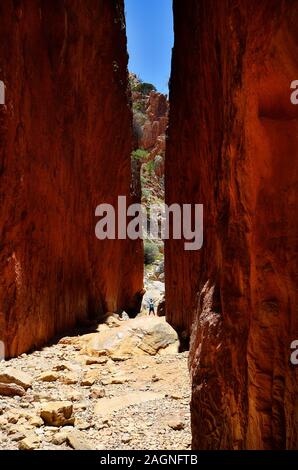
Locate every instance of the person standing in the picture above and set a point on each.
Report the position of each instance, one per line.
(151, 304)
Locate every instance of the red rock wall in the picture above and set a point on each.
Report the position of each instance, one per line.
(233, 146)
(153, 138)
(65, 144)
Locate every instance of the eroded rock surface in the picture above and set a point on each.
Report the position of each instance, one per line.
(66, 140)
(140, 336)
(233, 147)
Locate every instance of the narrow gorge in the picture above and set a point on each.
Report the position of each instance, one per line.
(76, 131)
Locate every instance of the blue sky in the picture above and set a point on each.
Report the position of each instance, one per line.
(149, 25)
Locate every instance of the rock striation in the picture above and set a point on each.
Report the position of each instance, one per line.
(232, 146)
(65, 145)
(150, 114)
(153, 138)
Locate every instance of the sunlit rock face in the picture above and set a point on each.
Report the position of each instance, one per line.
(66, 140)
(153, 138)
(233, 146)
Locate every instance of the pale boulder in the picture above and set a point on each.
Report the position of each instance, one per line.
(57, 413)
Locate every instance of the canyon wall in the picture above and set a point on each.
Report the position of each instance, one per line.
(65, 145)
(154, 129)
(233, 146)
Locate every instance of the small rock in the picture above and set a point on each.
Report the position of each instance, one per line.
(93, 352)
(18, 436)
(31, 442)
(74, 395)
(77, 441)
(99, 426)
(11, 390)
(69, 379)
(82, 405)
(36, 421)
(51, 429)
(13, 416)
(106, 381)
(9, 375)
(42, 397)
(119, 379)
(112, 322)
(124, 316)
(97, 392)
(176, 424)
(82, 425)
(155, 378)
(126, 438)
(57, 413)
(48, 377)
(68, 340)
(87, 382)
(120, 358)
(24, 405)
(22, 420)
(3, 421)
(60, 367)
(90, 378)
(176, 396)
(60, 437)
(96, 360)
(17, 429)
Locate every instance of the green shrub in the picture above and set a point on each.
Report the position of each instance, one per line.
(144, 88)
(145, 191)
(150, 167)
(139, 154)
(150, 252)
(139, 106)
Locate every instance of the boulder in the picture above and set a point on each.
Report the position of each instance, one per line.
(11, 390)
(48, 376)
(177, 424)
(9, 375)
(142, 335)
(77, 440)
(30, 442)
(57, 413)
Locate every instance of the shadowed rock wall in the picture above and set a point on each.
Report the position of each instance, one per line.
(65, 144)
(233, 146)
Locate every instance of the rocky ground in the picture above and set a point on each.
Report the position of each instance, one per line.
(120, 386)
